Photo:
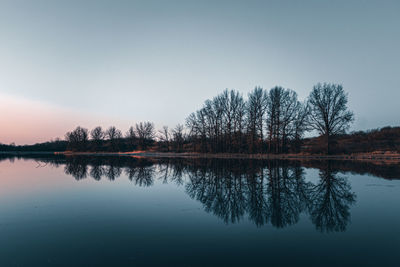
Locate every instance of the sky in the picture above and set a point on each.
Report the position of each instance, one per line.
(89, 63)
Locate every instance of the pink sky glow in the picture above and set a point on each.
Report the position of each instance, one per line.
(26, 121)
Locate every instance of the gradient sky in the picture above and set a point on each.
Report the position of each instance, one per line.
(69, 63)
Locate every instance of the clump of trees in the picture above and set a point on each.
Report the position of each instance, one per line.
(267, 121)
(145, 134)
(273, 121)
(78, 138)
(139, 137)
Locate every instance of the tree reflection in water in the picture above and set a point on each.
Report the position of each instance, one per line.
(331, 201)
(286, 187)
(266, 192)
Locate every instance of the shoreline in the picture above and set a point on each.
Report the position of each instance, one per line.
(390, 157)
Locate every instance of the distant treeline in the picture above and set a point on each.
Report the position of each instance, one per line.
(51, 146)
(383, 139)
(267, 121)
(271, 121)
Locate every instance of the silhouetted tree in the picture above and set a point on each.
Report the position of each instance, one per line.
(113, 134)
(328, 111)
(300, 126)
(145, 133)
(198, 130)
(178, 138)
(219, 125)
(164, 138)
(97, 135)
(282, 111)
(256, 108)
(213, 111)
(77, 139)
(233, 112)
(131, 137)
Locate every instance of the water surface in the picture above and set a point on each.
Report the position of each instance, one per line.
(104, 211)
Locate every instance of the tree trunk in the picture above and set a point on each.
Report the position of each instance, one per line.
(327, 144)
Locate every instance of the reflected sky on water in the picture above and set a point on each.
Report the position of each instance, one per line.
(99, 211)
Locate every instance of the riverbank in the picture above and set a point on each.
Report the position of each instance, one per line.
(375, 156)
(386, 156)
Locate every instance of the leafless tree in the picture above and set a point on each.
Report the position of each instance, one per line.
(233, 115)
(329, 114)
(97, 135)
(290, 106)
(219, 125)
(131, 137)
(256, 107)
(178, 137)
(164, 138)
(113, 134)
(145, 133)
(282, 111)
(196, 123)
(77, 139)
(213, 110)
(222, 122)
(300, 126)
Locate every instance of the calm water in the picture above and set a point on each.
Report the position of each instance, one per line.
(101, 211)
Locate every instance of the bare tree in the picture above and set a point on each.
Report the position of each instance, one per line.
(256, 107)
(276, 121)
(289, 108)
(145, 133)
(300, 125)
(131, 137)
(77, 139)
(328, 111)
(239, 121)
(213, 110)
(197, 125)
(218, 126)
(97, 135)
(233, 113)
(164, 137)
(113, 134)
(178, 137)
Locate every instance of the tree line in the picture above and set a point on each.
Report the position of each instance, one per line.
(142, 136)
(268, 121)
(273, 121)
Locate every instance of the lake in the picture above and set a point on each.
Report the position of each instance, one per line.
(125, 211)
